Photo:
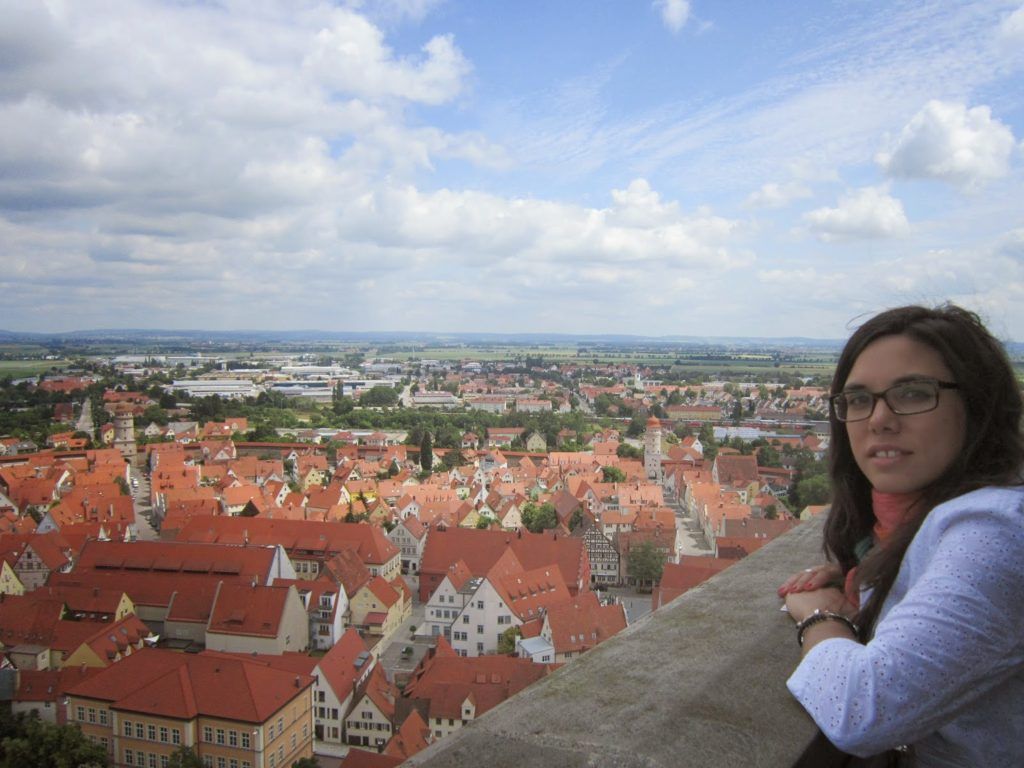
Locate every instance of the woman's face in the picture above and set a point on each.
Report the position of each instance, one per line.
(903, 454)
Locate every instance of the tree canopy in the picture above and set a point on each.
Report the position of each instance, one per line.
(539, 518)
(646, 563)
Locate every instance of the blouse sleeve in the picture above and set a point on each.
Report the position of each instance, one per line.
(954, 636)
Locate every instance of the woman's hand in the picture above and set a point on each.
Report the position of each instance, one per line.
(810, 579)
(803, 604)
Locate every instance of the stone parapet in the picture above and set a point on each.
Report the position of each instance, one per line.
(699, 683)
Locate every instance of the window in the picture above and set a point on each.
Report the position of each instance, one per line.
(480, 604)
(151, 732)
(504, 619)
(233, 763)
(321, 696)
(232, 738)
(127, 727)
(295, 738)
(152, 760)
(164, 760)
(280, 754)
(140, 731)
(175, 736)
(103, 717)
(80, 714)
(479, 629)
(245, 740)
(479, 647)
(207, 733)
(222, 762)
(92, 714)
(220, 735)
(163, 734)
(129, 756)
(465, 618)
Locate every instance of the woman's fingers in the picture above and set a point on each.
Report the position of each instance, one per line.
(810, 579)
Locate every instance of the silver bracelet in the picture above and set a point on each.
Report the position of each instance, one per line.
(816, 617)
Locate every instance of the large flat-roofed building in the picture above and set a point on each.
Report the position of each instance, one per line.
(228, 388)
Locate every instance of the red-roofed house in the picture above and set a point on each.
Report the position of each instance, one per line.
(574, 627)
(228, 709)
(369, 722)
(109, 643)
(307, 542)
(481, 550)
(459, 690)
(248, 618)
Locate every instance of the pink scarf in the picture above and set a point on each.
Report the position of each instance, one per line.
(891, 511)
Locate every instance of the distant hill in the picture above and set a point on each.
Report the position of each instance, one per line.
(137, 335)
(197, 337)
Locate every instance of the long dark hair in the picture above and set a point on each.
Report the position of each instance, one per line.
(993, 451)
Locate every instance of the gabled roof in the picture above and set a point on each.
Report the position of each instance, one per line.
(449, 680)
(412, 736)
(581, 623)
(29, 619)
(529, 592)
(250, 610)
(345, 663)
(369, 541)
(118, 638)
(348, 570)
(481, 549)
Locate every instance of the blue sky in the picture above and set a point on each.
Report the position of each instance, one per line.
(612, 166)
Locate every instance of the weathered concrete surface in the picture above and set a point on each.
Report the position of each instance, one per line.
(699, 683)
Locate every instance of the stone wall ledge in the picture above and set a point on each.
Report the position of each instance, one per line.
(699, 683)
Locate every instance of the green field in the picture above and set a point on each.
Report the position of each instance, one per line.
(20, 369)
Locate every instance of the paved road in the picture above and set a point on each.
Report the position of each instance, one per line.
(85, 418)
(140, 495)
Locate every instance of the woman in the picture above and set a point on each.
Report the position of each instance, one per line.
(914, 634)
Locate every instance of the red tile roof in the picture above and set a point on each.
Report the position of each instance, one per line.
(246, 609)
(181, 686)
(447, 681)
(369, 541)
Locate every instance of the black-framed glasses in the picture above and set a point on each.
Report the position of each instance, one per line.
(904, 399)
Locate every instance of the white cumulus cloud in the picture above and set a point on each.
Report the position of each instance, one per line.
(772, 195)
(870, 212)
(674, 13)
(950, 142)
(1012, 28)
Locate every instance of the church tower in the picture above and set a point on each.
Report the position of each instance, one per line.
(652, 450)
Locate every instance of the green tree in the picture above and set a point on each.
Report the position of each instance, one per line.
(613, 475)
(813, 490)
(379, 396)
(426, 452)
(627, 451)
(184, 757)
(576, 519)
(507, 641)
(646, 562)
(33, 743)
(539, 518)
(306, 762)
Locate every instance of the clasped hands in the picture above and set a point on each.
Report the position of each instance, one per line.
(814, 588)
